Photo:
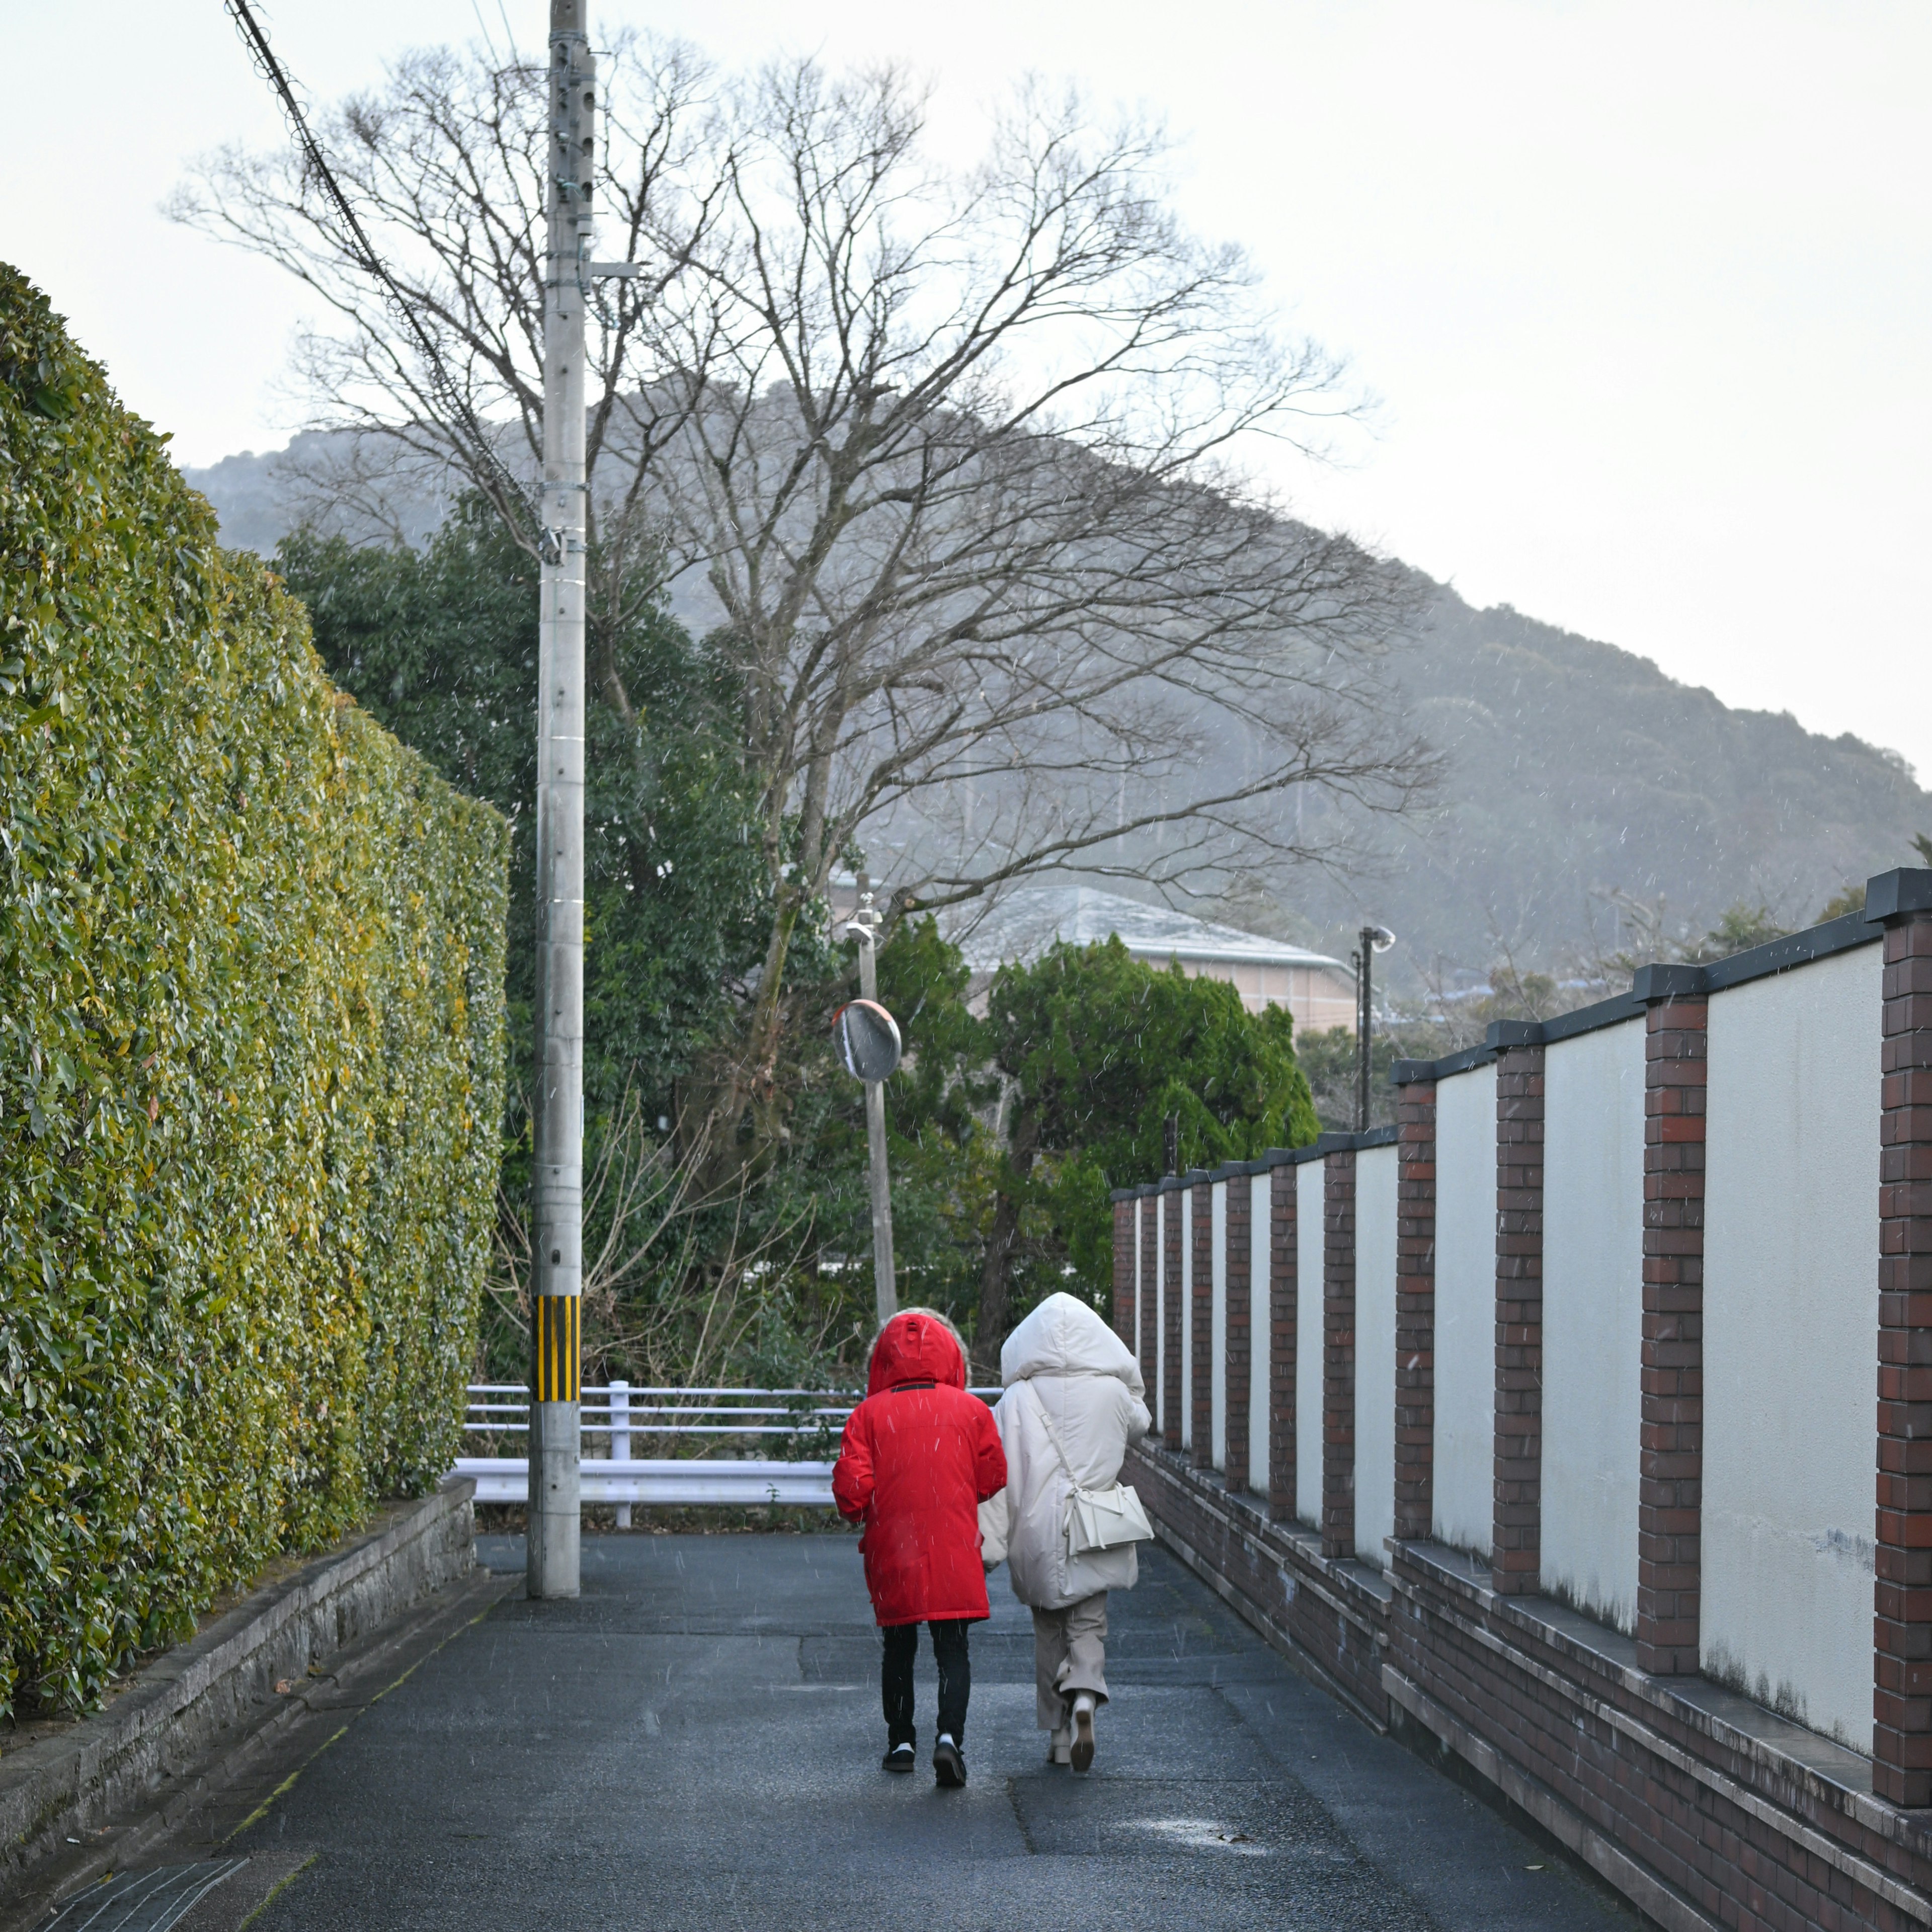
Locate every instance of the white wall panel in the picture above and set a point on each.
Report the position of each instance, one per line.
(1261, 1327)
(1140, 1311)
(1593, 1318)
(1165, 1205)
(1188, 1196)
(1466, 1308)
(1308, 1186)
(1791, 1340)
(1217, 1365)
(1375, 1174)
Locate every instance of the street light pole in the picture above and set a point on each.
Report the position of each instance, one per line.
(1364, 954)
(557, 1253)
(1373, 939)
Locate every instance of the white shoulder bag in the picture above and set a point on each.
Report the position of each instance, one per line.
(1095, 1519)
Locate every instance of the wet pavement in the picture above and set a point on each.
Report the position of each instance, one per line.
(694, 1745)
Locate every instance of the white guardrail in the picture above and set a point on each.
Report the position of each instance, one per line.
(708, 1439)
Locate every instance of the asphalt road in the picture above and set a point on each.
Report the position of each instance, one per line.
(693, 1745)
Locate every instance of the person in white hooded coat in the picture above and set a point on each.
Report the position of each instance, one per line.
(1064, 1366)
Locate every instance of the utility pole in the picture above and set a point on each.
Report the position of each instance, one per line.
(865, 922)
(557, 1251)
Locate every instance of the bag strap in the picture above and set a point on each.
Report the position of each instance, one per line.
(1052, 1434)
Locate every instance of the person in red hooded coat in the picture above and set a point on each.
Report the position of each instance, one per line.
(919, 1455)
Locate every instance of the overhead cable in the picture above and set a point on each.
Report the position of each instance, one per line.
(362, 251)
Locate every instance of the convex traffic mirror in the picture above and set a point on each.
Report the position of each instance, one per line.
(867, 1037)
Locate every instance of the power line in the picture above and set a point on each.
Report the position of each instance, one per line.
(443, 385)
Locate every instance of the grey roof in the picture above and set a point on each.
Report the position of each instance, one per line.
(1025, 922)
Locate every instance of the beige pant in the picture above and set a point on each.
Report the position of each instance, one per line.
(1069, 1654)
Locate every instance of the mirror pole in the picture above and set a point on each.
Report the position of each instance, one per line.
(884, 1288)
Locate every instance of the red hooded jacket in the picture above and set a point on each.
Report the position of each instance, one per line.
(919, 1457)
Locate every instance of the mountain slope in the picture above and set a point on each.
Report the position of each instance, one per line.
(1574, 770)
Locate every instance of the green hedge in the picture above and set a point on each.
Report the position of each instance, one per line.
(251, 971)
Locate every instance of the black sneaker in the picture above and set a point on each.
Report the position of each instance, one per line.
(949, 1766)
(899, 1757)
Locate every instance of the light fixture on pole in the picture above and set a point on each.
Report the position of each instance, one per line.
(1373, 939)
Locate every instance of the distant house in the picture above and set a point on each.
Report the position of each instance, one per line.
(1319, 991)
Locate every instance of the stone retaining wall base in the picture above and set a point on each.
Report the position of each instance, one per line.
(174, 1711)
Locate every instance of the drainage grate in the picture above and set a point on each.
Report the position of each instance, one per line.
(142, 1901)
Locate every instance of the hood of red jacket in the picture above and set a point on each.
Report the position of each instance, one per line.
(914, 1348)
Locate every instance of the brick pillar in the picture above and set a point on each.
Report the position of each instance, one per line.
(1243, 1334)
(1670, 1504)
(1173, 1203)
(1338, 1347)
(1150, 1302)
(1284, 1267)
(1123, 1269)
(1516, 1561)
(1902, 1690)
(1200, 1396)
(1415, 1310)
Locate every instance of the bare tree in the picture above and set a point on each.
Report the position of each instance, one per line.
(444, 167)
(953, 460)
(961, 479)
(661, 1298)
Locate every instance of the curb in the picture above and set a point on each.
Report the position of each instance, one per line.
(175, 1711)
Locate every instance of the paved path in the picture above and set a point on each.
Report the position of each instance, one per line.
(695, 1745)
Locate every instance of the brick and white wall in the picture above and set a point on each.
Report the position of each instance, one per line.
(1466, 1308)
(1375, 1352)
(1593, 1319)
(1305, 1431)
(1582, 1422)
(1791, 1340)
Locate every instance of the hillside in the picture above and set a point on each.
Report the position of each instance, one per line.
(1574, 770)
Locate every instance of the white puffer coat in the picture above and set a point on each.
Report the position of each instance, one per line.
(1064, 1358)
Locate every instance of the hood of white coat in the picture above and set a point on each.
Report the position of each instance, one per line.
(1063, 1336)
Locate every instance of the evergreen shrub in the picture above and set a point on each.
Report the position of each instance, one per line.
(251, 1053)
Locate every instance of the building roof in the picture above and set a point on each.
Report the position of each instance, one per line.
(1025, 922)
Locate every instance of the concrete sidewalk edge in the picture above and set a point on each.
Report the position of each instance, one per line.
(223, 1677)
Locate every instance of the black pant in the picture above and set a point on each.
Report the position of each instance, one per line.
(955, 1677)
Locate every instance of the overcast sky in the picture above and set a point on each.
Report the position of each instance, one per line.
(1643, 290)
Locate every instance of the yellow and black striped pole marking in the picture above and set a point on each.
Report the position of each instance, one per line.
(558, 1335)
(554, 1525)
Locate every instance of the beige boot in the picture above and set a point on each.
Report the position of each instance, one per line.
(1081, 1756)
(1060, 1745)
